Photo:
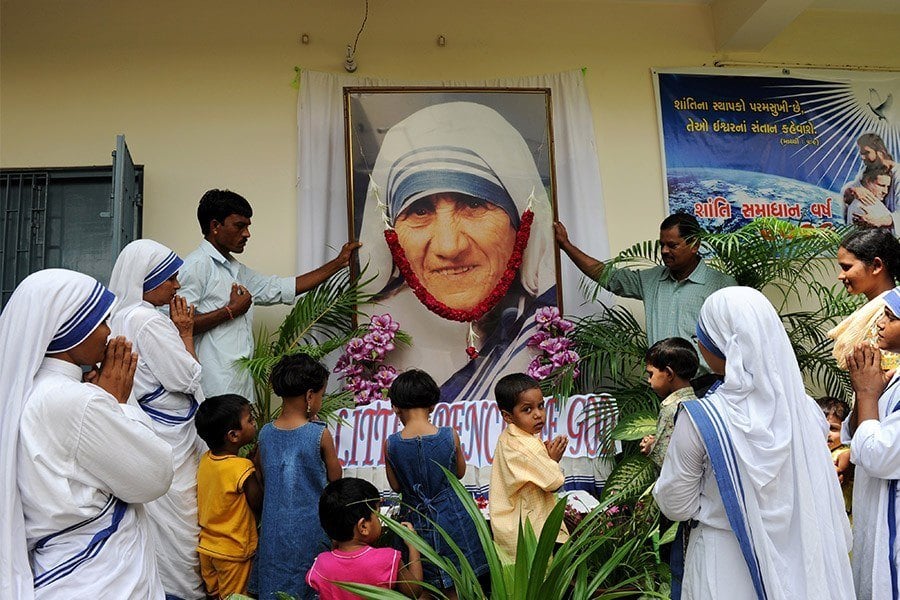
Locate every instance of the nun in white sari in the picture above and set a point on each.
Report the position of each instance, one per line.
(873, 432)
(453, 181)
(75, 461)
(748, 468)
(167, 388)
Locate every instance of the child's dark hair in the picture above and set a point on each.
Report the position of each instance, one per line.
(218, 204)
(833, 407)
(343, 503)
(218, 415)
(414, 389)
(676, 353)
(867, 244)
(509, 388)
(296, 374)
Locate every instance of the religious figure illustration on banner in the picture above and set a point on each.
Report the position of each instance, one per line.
(813, 148)
(451, 193)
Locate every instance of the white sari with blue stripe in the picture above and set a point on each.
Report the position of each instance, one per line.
(167, 390)
(875, 450)
(82, 475)
(750, 466)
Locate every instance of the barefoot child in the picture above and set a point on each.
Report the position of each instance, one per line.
(348, 511)
(228, 493)
(297, 458)
(413, 457)
(526, 470)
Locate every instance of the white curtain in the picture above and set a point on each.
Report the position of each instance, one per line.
(322, 178)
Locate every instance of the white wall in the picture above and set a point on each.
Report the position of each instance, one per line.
(202, 90)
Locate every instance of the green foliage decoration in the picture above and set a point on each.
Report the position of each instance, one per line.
(320, 322)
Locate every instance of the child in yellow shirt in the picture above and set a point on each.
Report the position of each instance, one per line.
(228, 492)
(526, 471)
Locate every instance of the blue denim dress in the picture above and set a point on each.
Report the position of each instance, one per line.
(290, 535)
(427, 496)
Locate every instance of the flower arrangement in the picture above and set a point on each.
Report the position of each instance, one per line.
(556, 349)
(362, 363)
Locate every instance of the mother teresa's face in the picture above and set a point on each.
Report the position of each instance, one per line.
(457, 245)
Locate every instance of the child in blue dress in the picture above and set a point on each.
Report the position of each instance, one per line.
(296, 459)
(412, 456)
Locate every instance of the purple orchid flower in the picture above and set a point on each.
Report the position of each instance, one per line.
(384, 323)
(555, 345)
(566, 357)
(356, 349)
(385, 375)
(535, 340)
(546, 316)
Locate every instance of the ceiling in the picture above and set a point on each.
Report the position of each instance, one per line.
(749, 25)
(857, 6)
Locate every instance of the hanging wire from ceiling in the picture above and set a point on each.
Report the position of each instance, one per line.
(350, 62)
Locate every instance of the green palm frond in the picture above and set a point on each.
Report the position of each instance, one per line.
(611, 344)
(321, 321)
(641, 255)
(630, 478)
(771, 252)
(635, 426)
(323, 313)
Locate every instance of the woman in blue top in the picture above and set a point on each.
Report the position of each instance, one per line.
(413, 457)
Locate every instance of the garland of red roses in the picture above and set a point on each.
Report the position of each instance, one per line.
(480, 309)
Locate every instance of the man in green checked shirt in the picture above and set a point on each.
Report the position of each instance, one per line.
(672, 293)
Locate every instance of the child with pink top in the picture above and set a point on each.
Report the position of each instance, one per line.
(348, 511)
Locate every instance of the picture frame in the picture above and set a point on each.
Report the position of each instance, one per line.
(453, 172)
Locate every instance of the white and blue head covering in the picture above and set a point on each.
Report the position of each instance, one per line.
(466, 148)
(142, 266)
(51, 311)
(892, 299)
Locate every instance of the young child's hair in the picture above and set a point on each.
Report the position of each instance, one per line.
(834, 407)
(343, 503)
(296, 374)
(675, 353)
(509, 388)
(218, 415)
(414, 389)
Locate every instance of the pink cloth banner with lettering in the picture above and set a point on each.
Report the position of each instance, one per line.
(586, 420)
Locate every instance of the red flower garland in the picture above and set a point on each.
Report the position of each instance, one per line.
(480, 309)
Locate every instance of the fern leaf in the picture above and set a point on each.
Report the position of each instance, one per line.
(630, 478)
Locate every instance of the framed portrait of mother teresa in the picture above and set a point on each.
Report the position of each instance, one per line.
(451, 192)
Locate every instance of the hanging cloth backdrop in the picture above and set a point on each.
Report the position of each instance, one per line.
(322, 179)
(322, 198)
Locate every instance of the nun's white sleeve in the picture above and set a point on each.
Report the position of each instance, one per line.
(163, 351)
(127, 456)
(875, 447)
(677, 491)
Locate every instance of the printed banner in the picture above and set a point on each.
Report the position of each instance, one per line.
(813, 149)
(585, 420)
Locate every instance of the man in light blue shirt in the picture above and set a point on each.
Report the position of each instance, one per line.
(224, 290)
(672, 293)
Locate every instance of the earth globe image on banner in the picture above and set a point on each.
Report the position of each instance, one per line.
(745, 192)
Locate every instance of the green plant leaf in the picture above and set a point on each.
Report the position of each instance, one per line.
(635, 426)
(630, 477)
